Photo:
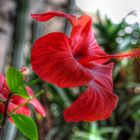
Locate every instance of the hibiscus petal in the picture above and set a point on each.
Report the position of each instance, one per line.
(4, 91)
(47, 16)
(53, 61)
(1, 82)
(84, 42)
(102, 75)
(38, 107)
(24, 110)
(76, 30)
(98, 101)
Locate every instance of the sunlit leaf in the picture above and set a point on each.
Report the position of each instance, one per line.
(26, 125)
(15, 82)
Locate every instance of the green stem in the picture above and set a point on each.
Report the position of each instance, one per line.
(30, 83)
(26, 102)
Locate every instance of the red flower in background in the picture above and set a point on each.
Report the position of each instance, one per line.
(15, 100)
(77, 61)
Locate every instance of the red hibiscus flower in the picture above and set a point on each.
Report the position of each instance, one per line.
(15, 100)
(77, 61)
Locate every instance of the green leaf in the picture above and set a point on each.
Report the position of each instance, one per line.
(26, 125)
(14, 79)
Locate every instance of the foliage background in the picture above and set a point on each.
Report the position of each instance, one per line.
(17, 34)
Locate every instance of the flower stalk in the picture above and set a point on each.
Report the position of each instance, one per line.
(33, 82)
(42, 91)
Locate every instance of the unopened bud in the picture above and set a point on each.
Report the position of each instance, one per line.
(24, 70)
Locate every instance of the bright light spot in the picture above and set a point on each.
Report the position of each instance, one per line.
(114, 9)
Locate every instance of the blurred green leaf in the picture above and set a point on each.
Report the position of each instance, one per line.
(136, 115)
(134, 100)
